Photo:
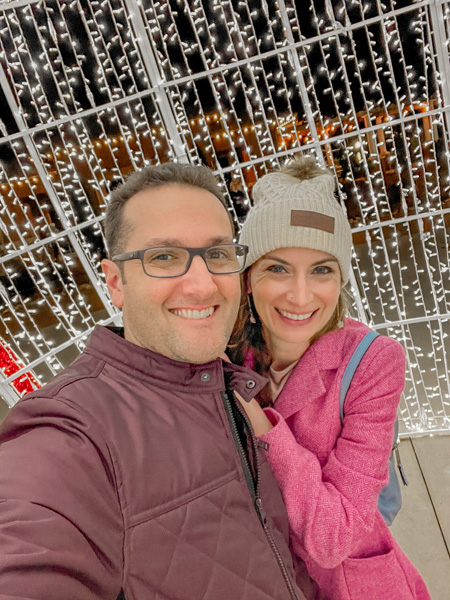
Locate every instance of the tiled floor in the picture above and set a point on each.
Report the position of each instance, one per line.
(422, 527)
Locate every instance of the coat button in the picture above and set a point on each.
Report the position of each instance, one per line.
(250, 384)
(205, 377)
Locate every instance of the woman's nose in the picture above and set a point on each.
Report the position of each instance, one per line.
(300, 294)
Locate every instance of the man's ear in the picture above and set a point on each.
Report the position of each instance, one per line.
(114, 281)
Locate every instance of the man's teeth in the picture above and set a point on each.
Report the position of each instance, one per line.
(294, 317)
(193, 314)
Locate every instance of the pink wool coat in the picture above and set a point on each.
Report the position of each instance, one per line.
(330, 476)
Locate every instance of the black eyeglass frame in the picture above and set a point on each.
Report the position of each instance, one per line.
(139, 254)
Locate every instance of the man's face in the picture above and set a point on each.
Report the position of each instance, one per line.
(155, 311)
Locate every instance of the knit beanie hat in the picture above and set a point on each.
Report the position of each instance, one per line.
(302, 213)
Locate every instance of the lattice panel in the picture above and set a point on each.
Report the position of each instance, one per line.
(90, 91)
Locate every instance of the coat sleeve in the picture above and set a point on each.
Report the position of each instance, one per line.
(60, 519)
(332, 506)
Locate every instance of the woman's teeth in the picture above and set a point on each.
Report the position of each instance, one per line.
(293, 316)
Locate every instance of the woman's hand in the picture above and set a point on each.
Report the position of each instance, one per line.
(256, 415)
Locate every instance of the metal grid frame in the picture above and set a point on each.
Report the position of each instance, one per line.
(92, 90)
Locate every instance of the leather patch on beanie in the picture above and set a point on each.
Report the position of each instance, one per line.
(314, 220)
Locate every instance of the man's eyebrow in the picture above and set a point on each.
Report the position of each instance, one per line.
(164, 242)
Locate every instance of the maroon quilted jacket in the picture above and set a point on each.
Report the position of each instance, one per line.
(128, 472)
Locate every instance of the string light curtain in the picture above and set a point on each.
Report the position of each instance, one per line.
(92, 90)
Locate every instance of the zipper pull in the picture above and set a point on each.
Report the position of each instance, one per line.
(260, 511)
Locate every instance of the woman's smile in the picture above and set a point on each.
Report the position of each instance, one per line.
(290, 316)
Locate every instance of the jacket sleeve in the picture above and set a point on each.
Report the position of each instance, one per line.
(60, 519)
(331, 507)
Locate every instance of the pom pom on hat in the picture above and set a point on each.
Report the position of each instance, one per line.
(302, 213)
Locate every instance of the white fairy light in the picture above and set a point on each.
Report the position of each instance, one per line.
(356, 84)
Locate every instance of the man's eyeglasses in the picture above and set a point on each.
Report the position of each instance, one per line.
(175, 261)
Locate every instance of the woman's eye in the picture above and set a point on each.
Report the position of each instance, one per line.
(323, 270)
(276, 269)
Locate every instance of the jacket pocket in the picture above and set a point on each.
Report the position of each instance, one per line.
(376, 577)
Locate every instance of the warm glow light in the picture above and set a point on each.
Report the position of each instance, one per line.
(239, 89)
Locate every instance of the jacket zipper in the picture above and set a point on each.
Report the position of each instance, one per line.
(237, 440)
(254, 488)
(261, 514)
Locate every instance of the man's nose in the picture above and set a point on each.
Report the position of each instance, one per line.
(198, 279)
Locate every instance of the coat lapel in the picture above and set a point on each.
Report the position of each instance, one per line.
(306, 383)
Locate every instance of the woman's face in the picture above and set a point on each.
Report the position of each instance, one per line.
(295, 292)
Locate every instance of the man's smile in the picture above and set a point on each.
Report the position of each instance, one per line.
(188, 313)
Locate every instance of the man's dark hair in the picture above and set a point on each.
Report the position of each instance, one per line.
(155, 176)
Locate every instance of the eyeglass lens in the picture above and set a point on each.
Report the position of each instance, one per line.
(170, 262)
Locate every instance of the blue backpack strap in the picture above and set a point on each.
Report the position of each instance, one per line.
(351, 368)
(390, 497)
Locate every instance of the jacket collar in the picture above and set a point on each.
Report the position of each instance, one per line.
(109, 345)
